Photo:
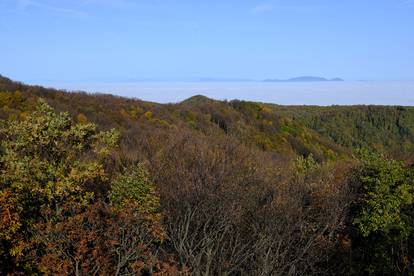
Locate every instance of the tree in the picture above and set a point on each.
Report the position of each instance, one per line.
(383, 215)
(135, 186)
(46, 162)
(120, 238)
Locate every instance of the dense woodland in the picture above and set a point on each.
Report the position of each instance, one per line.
(102, 185)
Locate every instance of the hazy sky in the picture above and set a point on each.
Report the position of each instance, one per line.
(111, 40)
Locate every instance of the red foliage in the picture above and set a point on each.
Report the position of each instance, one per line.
(100, 240)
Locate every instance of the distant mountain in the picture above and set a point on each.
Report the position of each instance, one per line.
(304, 79)
(336, 79)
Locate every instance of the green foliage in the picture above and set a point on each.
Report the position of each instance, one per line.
(387, 189)
(388, 129)
(383, 215)
(305, 164)
(273, 131)
(135, 187)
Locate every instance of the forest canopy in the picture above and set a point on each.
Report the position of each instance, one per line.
(99, 184)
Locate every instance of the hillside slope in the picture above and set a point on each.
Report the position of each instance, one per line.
(202, 187)
(324, 132)
(387, 129)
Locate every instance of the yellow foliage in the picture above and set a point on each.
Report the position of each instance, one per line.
(148, 115)
(23, 116)
(81, 118)
(266, 109)
(135, 111)
(124, 113)
(42, 168)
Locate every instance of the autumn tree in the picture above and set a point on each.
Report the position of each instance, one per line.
(46, 162)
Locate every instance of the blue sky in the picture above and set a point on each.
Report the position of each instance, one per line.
(116, 40)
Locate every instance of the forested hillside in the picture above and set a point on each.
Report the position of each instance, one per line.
(325, 132)
(99, 184)
(387, 129)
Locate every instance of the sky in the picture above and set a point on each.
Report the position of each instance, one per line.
(120, 40)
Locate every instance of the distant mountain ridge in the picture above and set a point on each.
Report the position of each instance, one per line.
(303, 79)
